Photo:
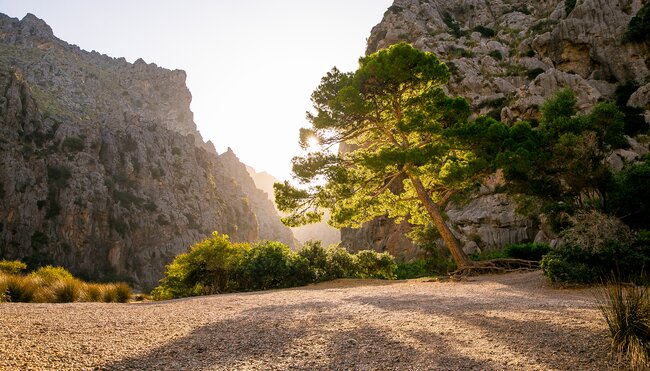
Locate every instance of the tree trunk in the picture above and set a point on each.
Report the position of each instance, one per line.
(451, 241)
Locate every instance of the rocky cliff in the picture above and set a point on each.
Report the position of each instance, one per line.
(102, 169)
(506, 58)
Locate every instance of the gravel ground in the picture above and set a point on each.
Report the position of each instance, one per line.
(508, 322)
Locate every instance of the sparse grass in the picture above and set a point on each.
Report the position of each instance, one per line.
(626, 309)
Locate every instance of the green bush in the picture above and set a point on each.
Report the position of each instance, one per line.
(371, 264)
(209, 267)
(573, 264)
(340, 263)
(271, 264)
(496, 54)
(485, 31)
(626, 309)
(216, 265)
(50, 274)
(415, 269)
(12, 267)
(638, 30)
(73, 144)
(527, 251)
(569, 5)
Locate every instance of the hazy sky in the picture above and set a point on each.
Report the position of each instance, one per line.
(251, 64)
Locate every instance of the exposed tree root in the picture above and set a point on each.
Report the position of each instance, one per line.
(496, 266)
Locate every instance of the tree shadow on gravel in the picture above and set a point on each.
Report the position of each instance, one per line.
(540, 340)
(308, 340)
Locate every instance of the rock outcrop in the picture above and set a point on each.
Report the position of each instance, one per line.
(102, 169)
(506, 57)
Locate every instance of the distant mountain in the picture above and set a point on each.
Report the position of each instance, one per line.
(102, 169)
(318, 231)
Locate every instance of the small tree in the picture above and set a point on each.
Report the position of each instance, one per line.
(398, 149)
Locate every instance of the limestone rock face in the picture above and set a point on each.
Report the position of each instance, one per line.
(506, 57)
(101, 167)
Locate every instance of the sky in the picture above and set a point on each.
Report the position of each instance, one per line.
(251, 64)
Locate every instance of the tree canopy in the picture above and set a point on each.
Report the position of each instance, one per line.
(389, 144)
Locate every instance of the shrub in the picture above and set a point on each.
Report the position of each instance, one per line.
(92, 292)
(18, 288)
(371, 264)
(73, 144)
(527, 251)
(569, 5)
(271, 264)
(109, 293)
(50, 274)
(12, 267)
(592, 231)
(496, 54)
(626, 309)
(340, 263)
(414, 269)
(317, 258)
(533, 73)
(66, 290)
(208, 267)
(638, 30)
(123, 292)
(453, 25)
(574, 264)
(485, 31)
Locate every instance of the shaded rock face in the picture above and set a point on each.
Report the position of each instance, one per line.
(101, 167)
(506, 57)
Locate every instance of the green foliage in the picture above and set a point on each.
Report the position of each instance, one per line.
(210, 266)
(73, 144)
(569, 5)
(50, 274)
(496, 54)
(58, 176)
(533, 73)
(527, 251)
(638, 30)
(216, 265)
(626, 309)
(399, 131)
(452, 24)
(489, 255)
(574, 264)
(434, 265)
(634, 120)
(562, 161)
(12, 267)
(630, 194)
(271, 264)
(371, 264)
(485, 31)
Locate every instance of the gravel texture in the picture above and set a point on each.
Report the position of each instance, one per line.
(507, 322)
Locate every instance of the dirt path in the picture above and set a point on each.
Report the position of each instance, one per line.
(509, 322)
